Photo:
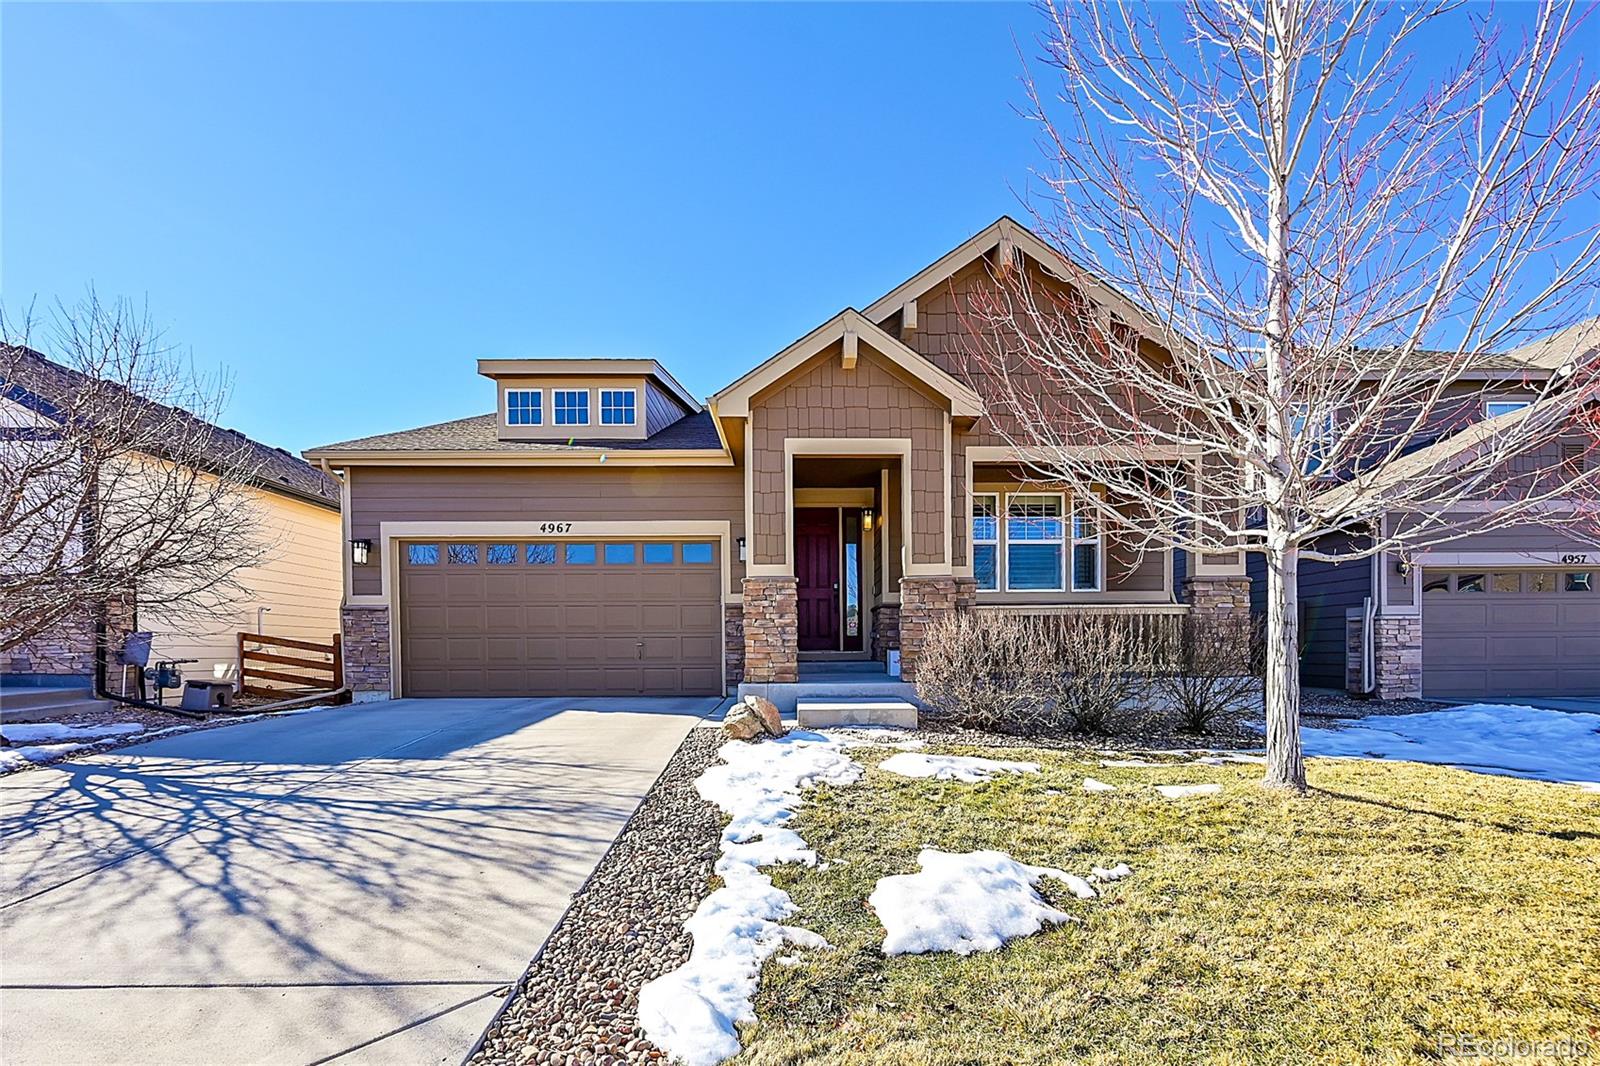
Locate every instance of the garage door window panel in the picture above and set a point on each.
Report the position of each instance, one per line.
(660, 554)
(580, 554)
(1580, 581)
(541, 555)
(1508, 582)
(502, 555)
(698, 554)
(619, 554)
(1470, 583)
(422, 554)
(463, 554)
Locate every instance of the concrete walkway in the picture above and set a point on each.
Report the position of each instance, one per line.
(351, 884)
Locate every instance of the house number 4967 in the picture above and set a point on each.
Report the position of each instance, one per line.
(555, 527)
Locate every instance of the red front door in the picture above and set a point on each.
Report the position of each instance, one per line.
(816, 570)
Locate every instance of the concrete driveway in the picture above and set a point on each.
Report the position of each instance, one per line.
(352, 884)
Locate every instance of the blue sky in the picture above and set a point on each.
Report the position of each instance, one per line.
(346, 205)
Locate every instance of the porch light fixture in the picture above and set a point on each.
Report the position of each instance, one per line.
(359, 550)
(741, 549)
(866, 519)
(1402, 568)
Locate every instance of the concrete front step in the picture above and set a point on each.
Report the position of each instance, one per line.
(823, 714)
(788, 694)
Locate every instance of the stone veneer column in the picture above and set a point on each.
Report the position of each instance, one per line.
(1397, 656)
(366, 651)
(885, 630)
(733, 644)
(923, 601)
(1217, 595)
(771, 630)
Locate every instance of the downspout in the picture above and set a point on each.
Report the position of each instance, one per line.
(1369, 615)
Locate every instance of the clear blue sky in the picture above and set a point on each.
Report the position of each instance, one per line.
(346, 205)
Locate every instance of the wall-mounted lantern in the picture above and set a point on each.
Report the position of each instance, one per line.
(741, 549)
(866, 519)
(1402, 567)
(359, 551)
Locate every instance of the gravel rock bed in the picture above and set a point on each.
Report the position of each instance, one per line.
(1144, 729)
(578, 1001)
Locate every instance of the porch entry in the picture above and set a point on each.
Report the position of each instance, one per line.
(828, 575)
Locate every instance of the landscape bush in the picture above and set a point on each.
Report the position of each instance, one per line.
(1209, 665)
(982, 671)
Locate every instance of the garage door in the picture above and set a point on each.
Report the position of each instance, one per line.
(600, 618)
(1504, 633)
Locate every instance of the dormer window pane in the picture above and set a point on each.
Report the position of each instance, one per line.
(617, 407)
(572, 407)
(524, 407)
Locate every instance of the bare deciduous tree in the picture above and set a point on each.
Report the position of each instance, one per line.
(1300, 253)
(114, 481)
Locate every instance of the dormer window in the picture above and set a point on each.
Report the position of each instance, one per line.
(524, 407)
(1496, 408)
(572, 407)
(618, 407)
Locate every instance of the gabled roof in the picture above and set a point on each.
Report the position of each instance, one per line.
(46, 386)
(734, 401)
(479, 436)
(1007, 230)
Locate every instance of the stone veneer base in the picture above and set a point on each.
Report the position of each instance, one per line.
(771, 631)
(366, 651)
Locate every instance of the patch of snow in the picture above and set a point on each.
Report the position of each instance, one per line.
(1114, 873)
(968, 902)
(876, 736)
(34, 732)
(1129, 763)
(1208, 760)
(953, 767)
(17, 758)
(1173, 792)
(1091, 785)
(1052, 792)
(693, 1012)
(1490, 738)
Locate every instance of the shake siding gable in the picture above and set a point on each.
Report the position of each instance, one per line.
(824, 400)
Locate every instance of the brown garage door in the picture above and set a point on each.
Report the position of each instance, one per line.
(596, 618)
(1507, 633)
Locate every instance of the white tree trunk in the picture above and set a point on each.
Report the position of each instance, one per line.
(1286, 766)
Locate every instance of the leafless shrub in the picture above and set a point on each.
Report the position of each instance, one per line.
(1209, 664)
(983, 671)
(1095, 664)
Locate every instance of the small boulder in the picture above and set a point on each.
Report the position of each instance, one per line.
(742, 723)
(771, 720)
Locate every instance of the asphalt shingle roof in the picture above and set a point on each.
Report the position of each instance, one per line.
(275, 469)
(480, 434)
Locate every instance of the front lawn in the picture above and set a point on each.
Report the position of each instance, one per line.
(1395, 905)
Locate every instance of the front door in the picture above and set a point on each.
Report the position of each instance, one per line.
(816, 570)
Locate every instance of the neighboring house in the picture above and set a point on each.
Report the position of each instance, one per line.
(1502, 614)
(295, 593)
(602, 532)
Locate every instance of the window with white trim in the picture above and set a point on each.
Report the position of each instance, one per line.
(986, 540)
(618, 407)
(1035, 542)
(1088, 550)
(571, 407)
(1320, 430)
(1496, 408)
(524, 407)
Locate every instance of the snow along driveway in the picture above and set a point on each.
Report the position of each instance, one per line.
(349, 884)
(1493, 738)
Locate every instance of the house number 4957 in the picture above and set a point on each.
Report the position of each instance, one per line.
(555, 527)
(1579, 558)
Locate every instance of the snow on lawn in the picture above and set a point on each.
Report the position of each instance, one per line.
(1491, 738)
(1173, 792)
(692, 1012)
(74, 738)
(1091, 785)
(968, 902)
(953, 767)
